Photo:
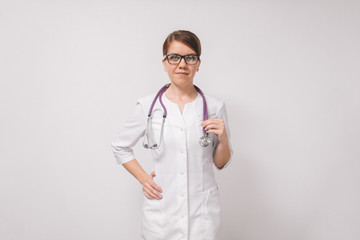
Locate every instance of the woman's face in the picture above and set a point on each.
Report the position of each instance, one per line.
(180, 73)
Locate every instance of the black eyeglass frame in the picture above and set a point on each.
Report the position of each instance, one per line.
(182, 57)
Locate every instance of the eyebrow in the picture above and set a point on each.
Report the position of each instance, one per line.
(183, 55)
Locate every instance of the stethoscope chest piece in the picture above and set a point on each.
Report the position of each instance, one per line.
(205, 140)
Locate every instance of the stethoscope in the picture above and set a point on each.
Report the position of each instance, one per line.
(204, 139)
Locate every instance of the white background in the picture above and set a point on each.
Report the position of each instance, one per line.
(71, 72)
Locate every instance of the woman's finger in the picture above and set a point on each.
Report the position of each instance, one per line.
(149, 193)
(151, 190)
(212, 126)
(154, 190)
(155, 186)
(215, 131)
(211, 120)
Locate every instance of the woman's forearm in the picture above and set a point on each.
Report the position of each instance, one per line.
(136, 170)
(222, 154)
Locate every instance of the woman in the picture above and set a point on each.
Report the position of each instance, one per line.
(181, 199)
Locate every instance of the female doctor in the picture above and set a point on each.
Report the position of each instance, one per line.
(181, 198)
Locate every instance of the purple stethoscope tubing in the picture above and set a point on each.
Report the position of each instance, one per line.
(161, 92)
(204, 140)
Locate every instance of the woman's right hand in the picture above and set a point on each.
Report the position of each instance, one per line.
(150, 188)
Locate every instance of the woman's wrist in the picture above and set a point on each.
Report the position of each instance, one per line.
(224, 140)
(142, 177)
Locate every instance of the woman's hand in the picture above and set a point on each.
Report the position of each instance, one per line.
(150, 188)
(216, 126)
(223, 153)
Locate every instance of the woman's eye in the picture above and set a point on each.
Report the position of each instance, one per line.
(191, 58)
(174, 57)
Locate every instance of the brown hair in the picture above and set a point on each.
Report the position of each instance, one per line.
(186, 37)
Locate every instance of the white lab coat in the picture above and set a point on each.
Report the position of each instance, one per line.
(190, 207)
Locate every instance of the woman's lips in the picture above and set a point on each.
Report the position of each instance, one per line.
(182, 73)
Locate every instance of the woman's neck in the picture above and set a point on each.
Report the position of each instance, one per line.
(181, 93)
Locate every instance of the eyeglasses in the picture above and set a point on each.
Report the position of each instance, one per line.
(190, 59)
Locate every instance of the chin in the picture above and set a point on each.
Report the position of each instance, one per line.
(182, 83)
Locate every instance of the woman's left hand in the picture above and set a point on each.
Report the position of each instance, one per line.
(216, 126)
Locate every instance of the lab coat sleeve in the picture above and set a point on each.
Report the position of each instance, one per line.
(223, 115)
(129, 134)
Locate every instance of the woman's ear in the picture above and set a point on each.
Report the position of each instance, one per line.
(164, 64)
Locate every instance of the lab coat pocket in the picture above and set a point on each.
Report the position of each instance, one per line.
(212, 213)
(152, 218)
(154, 129)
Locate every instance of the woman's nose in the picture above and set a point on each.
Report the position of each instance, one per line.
(182, 63)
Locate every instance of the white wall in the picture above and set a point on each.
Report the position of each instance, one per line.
(71, 72)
